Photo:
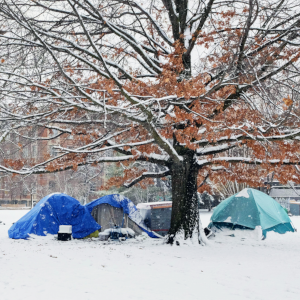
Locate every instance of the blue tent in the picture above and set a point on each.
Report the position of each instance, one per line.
(120, 201)
(52, 211)
(250, 208)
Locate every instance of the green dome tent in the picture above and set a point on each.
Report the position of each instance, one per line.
(250, 208)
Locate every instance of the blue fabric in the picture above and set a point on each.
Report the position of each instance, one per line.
(128, 207)
(251, 208)
(280, 228)
(52, 211)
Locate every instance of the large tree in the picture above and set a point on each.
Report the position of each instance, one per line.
(174, 83)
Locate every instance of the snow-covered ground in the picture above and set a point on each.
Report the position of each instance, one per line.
(240, 267)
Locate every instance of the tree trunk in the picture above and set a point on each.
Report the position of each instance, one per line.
(185, 205)
(185, 213)
(209, 205)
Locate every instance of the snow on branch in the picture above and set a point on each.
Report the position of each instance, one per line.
(89, 151)
(147, 175)
(42, 167)
(246, 160)
(294, 134)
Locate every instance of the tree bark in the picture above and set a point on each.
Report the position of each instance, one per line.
(185, 205)
(185, 214)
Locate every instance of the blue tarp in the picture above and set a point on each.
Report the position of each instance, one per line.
(52, 211)
(128, 207)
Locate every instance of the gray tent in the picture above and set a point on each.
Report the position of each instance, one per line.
(108, 216)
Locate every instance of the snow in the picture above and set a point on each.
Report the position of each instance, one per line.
(244, 193)
(228, 220)
(149, 205)
(203, 151)
(65, 228)
(123, 231)
(235, 268)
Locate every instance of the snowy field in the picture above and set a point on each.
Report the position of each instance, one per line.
(233, 268)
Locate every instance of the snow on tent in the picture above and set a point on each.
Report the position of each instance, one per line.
(115, 209)
(52, 211)
(250, 208)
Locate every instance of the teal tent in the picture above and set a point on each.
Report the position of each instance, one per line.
(250, 208)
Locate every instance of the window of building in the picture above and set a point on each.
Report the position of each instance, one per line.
(25, 152)
(53, 151)
(34, 151)
(93, 186)
(52, 184)
(25, 192)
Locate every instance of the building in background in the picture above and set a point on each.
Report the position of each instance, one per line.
(22, 191)
(283, 194)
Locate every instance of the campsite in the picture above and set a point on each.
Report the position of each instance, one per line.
(149, 149)
(256, 258)
(240, 267)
